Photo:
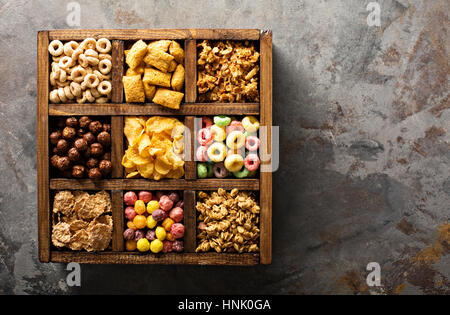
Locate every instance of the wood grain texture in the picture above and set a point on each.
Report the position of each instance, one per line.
(117, 71)
(117, 149)
(190, 222)
(114, 109)
(144, 184)
(162, 259)
(118, 220)
(42, 146)
(266, 120)
(190, 166)
(147, 34)
(190, 53)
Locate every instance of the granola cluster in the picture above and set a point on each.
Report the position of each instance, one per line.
(228, 71)
(228, 221)
(80, 222)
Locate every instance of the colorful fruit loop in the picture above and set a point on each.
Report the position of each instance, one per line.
(154, 221)
(227, 146)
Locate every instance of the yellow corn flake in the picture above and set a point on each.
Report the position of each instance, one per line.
(132, 129)
(133, 174)
(146, 170)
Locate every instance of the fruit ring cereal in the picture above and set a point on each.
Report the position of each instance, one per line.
(217, 152)
(250, 123)
(222, 121)
(234, 162)
(202, 170)
(252, 143)
(235, 140)
(202, 153)
(56, 48)
(243, 173)
(204, 136)
(252, 162)
(219, 134)
(220, 170)
(235, 125)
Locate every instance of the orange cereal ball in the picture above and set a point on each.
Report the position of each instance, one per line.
(130, 245)
(131, 225)
(170, 237)
(139, 207)
(167, 223)
(140, 221)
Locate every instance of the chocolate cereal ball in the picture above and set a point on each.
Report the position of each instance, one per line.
(81, 144)
(78, 171)
(69, 133)
(55, 136)
(95, 127)
(104, 138)
(96, 149)
(62, 146)
(84, 122)
(73, 154)
(89, 137)
(105, 167)
(92, 163)
(107, 127)
(63, 163)
(94, 173)
(54, 160)
(106, 156)
(71, 122)
(80, 133)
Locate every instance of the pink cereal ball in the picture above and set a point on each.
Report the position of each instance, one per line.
(151, 235)
(145, 196)
(130, 213)
(174, 196)
(128, 234)
(179, 204)
(177, 230)
(165, 204)
(176, 214)
(177, 246)
(138, 234)
(129, 198)
(167, 246)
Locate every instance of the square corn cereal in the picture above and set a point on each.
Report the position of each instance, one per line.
(136, 54)
(168, 98)
(156, 77)
(178, 78)
(158, 59)
(162, 45)
(149, 91)
(177, 52)
(134, 89)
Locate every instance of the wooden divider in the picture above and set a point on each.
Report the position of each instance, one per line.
(190, 221)
(190, 56)
(118, 220)
(190, 167)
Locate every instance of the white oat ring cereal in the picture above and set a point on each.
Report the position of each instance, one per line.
(88, 43)
(105, 66)
(78, 74)
(103, 45)
(91, 80)
(66, 62)
(75, 89)
(56, 48)
(70, 47)
(104, 87)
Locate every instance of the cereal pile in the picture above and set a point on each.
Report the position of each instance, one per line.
(228, 222)
(81, 147)
(154, 222)
(155, 147)
(227, 71)
(80, 220)
(238, 156)
(161, 64)
(80, 71)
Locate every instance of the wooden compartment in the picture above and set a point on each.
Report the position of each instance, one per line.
(117, 109)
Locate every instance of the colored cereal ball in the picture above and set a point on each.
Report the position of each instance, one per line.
(129, 198)
(151, 235)
(152, 206)
(167, 246)
(139, 207)
(158, 215)
(145, 196)
(177, 230)
(160, 233)
(202, 170)
(151, 222)
(143, 245)
(174, 196)
(170, 237)
(179, 204)
(140, 221)
(156, 246)
(128, 234)
(131, 225)
(165, 203)
(177, 246)
(130, 213)
(167, 224)
(130, 245)
(176, 214)
(138, 234)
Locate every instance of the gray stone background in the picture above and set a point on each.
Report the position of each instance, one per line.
(364, 147)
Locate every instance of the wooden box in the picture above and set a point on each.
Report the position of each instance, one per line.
(116, 110)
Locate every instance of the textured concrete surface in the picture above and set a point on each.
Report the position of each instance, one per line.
(363, 115)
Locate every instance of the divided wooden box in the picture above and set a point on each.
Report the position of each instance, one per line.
(116, 110)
